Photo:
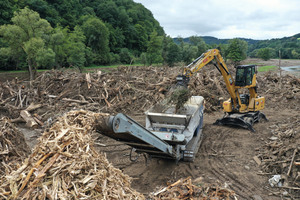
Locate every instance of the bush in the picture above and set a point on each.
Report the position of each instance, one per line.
(143, 58)
(125, 56)
(264, 54)
(114, 58)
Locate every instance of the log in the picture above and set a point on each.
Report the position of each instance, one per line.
(38, 121)
(75, 101)
(293, 158)
(62, 94)
(30, 122)
(88, 80)
(292, 188)
(17, 120)
(33, 107)
(257, 160)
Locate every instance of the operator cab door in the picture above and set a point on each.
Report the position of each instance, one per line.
(244, 75)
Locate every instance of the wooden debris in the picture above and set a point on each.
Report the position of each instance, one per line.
(30, 122)
(292, 161)
(65, 165)
(280, 156)
(33, 107)
(185, 189)
(257, 160)
(13, 148)
(88, 80)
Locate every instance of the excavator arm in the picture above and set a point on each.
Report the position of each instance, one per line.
(205, 59)
(242, 110)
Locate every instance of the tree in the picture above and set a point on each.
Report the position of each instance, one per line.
(173, 54)
(167, 41)
(27, 35)
(141, 38)
(264, 54)
(6, 11)
(58, 43)
(125, 56)
(253, 54)
(97, 38)
(199, 43)
(189, 53)
(116, 39)
(76, 48)
(143, 58)
(295, 54)
(154, 47)
(236, 51)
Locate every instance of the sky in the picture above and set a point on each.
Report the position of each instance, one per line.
(226, 19)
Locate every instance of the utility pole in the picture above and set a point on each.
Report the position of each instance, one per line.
(280, 69)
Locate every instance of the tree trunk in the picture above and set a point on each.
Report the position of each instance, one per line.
(34, 69)
(30, 69)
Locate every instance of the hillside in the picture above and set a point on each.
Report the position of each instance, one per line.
(104, 28)
(289, 47)
(213, 40)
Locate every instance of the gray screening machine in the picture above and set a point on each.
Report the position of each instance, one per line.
(166, 135)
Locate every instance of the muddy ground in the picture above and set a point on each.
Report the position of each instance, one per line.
(225, 156)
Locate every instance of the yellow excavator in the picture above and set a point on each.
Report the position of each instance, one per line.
(241, 109)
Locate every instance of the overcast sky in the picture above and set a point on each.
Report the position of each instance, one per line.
(224, 19)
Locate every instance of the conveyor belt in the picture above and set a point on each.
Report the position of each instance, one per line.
(125, 129)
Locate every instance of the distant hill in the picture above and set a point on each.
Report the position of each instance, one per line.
(213, 40)
(288, 46)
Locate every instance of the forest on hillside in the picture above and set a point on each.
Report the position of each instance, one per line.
(52, 34)
(288, 47)
(100, 31)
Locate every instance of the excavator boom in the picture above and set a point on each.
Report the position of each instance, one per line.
(241, 109)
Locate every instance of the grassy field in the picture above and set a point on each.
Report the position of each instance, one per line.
(266, 68)
(255, 63)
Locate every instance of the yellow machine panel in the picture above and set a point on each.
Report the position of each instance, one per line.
(227, 106)
(259, 103)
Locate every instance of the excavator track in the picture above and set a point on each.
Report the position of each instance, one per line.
(245, 120)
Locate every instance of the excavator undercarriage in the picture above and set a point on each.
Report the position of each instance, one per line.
(244, 120)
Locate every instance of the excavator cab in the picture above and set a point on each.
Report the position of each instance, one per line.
(244, 75)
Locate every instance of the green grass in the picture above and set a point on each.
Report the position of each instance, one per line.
(88, 68)
(23, 71)
(255, 63)
(93, 66)
(266, 68)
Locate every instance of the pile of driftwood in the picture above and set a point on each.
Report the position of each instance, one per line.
(129, 90)
(64, 165)
(281, 154)
(280, 90)
(186, 189)
(13, 148)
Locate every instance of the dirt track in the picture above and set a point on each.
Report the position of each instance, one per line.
(225, 156)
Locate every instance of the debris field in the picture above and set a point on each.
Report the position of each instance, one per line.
(65, 165)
